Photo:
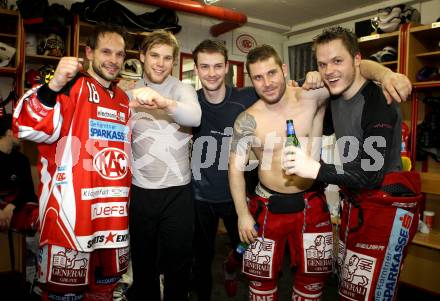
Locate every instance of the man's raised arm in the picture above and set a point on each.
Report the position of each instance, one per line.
(395, 86)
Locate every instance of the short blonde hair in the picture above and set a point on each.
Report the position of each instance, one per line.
(161, 37)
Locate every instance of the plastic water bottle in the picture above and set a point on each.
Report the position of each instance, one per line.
(242, 246)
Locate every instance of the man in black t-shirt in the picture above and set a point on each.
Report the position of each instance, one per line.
(220, 105)
(18, 202)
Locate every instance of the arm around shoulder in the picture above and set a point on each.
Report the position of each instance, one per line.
(320, 95)
(395, 86)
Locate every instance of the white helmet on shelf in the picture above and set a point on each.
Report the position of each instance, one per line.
(391, 25)
(131, 69)
(6, 54)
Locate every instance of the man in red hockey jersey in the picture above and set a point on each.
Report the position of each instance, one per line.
(79, 121)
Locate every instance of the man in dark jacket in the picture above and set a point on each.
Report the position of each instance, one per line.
(16, 187)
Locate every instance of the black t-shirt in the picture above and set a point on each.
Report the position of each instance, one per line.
(16, 185)
(211, 143)
(365, 118)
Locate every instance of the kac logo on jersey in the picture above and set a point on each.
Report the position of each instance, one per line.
(61, 176)
(111, 163)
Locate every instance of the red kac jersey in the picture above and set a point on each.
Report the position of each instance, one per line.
(84, 158)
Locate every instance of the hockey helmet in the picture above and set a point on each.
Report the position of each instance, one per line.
(391, 25)
(52, 45)
(46, 73)
(32, 78)
(131, 69)
(6, 54)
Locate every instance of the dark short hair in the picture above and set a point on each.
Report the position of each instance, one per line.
(161, 37)
(5, 124)
(262, 53)
(348, 38)
(210, 46)
(100, 30)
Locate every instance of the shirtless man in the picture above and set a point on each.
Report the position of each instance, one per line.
(262, 127)
(286, 208)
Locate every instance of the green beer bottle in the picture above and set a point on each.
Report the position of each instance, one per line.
(291, 136)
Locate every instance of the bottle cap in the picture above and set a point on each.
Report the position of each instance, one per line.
(240, 249)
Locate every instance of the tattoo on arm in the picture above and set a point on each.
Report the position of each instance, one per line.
(244, 131)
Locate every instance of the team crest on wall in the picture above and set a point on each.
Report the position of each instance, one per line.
(243, 43)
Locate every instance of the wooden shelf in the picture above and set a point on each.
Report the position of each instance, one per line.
(128, 51)
(426, 28)
(426, 85)
(422, 50)
(429, 54)
(139, 33)
(8, 70)
(132, 52)
(41, 59)
(430, 182)
(430, 240)
(86, 24)
(381, 36)
(8, 35)
(11, 34)
(372, 44)
(9, 29)
(8, 12)
(390, 63)
(420, 269)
